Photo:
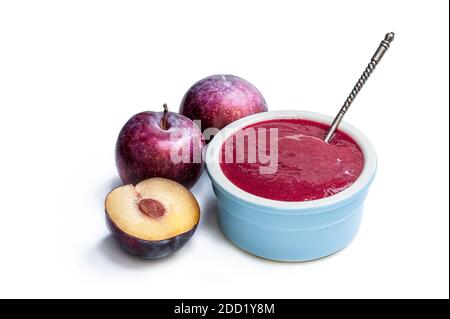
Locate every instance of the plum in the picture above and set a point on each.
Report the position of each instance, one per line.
(160, 144)
(221, 99)
(153, 219)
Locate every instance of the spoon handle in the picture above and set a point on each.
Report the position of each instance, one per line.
(384, 45)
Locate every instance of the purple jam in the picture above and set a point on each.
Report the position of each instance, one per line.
(305, 167)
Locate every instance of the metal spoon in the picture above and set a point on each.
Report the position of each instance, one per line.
(384, 45)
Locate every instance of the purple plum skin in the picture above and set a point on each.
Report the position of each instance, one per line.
(148, 249)
(143, 149)
(219, 100)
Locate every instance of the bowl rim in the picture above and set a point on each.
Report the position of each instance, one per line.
(213, 149)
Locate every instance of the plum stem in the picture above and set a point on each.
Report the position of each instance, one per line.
(164, 124)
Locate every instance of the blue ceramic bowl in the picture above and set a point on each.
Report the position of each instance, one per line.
(289, 231)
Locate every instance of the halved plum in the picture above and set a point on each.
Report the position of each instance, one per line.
(153, 219)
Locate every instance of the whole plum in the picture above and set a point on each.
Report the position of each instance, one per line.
(160, 144)
(221, 99)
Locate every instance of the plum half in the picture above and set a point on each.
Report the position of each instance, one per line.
(153, 219)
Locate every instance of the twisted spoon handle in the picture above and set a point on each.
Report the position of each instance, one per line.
(384, 45)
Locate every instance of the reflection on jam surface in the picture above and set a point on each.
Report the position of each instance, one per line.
(308, 168)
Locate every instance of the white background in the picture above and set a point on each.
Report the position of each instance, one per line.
(73, 72)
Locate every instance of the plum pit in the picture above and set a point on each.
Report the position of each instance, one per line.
(151, 208)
